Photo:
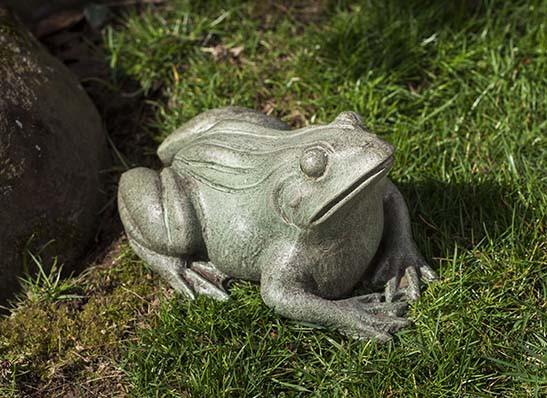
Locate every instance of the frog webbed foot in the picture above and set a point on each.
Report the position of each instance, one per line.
(186, 277)
(363, 317)
(402, 272)
(371, 317)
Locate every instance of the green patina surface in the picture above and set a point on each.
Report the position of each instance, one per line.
(458, 88)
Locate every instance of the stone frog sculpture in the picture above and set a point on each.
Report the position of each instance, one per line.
(309, 213)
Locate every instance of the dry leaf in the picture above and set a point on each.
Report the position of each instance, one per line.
(221, 51)
(235, 51)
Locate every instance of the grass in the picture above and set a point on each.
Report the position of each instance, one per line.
(55, 343)
(47, 285)
(458, 87)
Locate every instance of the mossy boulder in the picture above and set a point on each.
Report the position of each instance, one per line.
(52, 149)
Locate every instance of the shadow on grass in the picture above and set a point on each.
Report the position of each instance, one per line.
(463, 214)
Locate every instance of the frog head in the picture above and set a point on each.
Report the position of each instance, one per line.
(339, 163)
(305, 175)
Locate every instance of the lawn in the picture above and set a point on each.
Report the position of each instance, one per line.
(458, 87)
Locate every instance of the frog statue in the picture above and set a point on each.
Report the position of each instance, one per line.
(308, 213)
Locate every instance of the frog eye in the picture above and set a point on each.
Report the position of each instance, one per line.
(313, 162)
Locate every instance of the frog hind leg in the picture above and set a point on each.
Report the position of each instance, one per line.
(204, 121)
(163, 230)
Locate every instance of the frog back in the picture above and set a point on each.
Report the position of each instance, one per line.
(203, 122)
(233, 168)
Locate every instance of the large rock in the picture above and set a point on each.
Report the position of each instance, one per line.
(52, 148)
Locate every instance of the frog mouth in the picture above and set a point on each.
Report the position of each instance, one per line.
(351, 191)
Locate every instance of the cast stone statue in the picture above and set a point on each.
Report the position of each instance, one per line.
(308, 213)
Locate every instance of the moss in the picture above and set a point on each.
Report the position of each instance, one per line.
(78, 337)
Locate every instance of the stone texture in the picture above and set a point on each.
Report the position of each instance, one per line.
(52, 148)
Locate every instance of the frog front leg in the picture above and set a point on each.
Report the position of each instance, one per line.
(163, 230)
(287, 289)
(398, 264)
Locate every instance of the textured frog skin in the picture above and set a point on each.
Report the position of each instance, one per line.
(309, 213)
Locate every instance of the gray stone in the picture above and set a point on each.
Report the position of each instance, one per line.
(309, 213)
(52, 148)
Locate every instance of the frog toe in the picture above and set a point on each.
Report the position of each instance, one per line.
(378, 327)
(368, 333)
(210, 272)
(373, 305)
(203, 285)
(396, 309)
(406, 287)
(428, 274)
(389, 324)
